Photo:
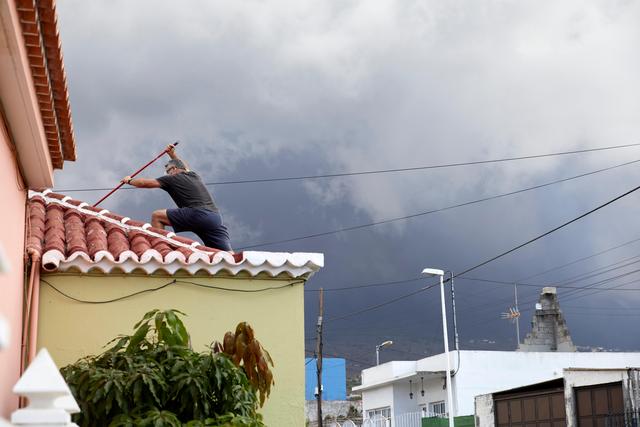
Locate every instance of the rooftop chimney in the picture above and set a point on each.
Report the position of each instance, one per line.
(549, 330)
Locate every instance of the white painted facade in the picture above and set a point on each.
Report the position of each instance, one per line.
(479, 372)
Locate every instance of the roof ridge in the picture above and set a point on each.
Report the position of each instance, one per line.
(122, 223)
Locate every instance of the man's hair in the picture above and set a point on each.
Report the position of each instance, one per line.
(175, 163)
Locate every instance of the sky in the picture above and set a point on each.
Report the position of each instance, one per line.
(256, 89)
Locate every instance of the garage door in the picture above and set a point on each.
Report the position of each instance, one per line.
(542, 408)
(600, 405)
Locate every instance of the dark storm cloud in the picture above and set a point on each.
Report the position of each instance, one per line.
(268, 89)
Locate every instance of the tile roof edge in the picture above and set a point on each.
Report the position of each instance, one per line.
(56, 264)
(296, 264)
(123, 223)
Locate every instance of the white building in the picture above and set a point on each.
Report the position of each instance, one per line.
(397, 389)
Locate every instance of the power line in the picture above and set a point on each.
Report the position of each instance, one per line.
(484, 199)
(376, 306)
(581, 259)
(558, 267)
(494, 258)
(384, 171)
(591, 286)
(597, 290)
(540, 236)
(529, 300)
(370, 285)
(341, 357)
(510, 283)
(502, 282)
(599, 271)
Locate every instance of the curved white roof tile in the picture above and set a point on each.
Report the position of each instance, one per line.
(198, 256)
(100, 255)
(175, 256)
(150, 254)
(176, 263)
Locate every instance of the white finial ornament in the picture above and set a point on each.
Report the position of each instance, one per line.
(48, 395)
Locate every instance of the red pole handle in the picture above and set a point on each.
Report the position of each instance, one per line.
(135, 173)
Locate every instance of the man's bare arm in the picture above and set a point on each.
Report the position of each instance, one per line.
(141, 182)
(171, 151)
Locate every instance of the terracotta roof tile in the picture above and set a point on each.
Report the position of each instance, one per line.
(70, 234)
(44, 52)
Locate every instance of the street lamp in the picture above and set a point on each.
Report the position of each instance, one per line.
(435, 272)
(378, 347)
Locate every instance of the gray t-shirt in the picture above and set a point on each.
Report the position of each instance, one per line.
(188, 191)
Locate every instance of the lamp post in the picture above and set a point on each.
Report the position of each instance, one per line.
(378, 347)
(435, 272)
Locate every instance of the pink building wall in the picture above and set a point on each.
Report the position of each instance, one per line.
(12, 217)
(23, 142)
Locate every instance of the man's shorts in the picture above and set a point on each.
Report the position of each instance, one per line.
(205, 223)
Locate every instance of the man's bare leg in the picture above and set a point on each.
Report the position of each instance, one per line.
(159, 218)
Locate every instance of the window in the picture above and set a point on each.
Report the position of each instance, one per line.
(379, 413)
(437, 409)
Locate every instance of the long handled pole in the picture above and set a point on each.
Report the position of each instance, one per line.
(134, 174)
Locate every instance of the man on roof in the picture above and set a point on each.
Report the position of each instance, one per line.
(196, 210)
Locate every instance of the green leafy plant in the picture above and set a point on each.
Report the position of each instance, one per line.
(153, 378)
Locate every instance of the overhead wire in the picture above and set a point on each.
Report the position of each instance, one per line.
(385, 171)
(432, 211)
(561, 284)
(501, 283)
(591, 286)
(376, 306)
(553, 230)
(338, 356)
(369, 285)
(494, 258)
(555, 268)
(580, 259)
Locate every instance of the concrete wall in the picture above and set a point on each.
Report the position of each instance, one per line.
(433, 391)
(71, 330)
(401, 402)
(332, 408)
(378, 397)
(12, 218)
(387, 370)
(484, 411)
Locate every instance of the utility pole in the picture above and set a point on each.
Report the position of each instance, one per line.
(515, 290)
(319, 359)
(455, 322)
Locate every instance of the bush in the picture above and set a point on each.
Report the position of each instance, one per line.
(153, 378)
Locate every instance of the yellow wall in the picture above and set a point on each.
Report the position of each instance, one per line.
(70, 329)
